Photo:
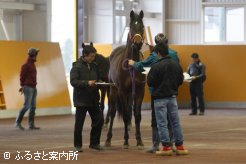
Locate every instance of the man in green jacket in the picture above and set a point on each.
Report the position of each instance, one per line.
(152, 59)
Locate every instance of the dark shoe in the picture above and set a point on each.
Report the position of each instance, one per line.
(201, 113)
(192, 114)
(78, 149)
(152, 150)
(34, 128)
(19, 126)
(96, 147)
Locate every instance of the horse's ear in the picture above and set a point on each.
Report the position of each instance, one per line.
(83, 45)
(91, 44)
(132, 14)
(141, 14)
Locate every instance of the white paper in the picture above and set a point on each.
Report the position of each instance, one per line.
(146, 70)
(103, 83)
(187, 77)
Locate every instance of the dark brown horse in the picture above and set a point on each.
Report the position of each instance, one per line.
(128, 92)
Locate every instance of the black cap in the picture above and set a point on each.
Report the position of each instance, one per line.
(195, 56)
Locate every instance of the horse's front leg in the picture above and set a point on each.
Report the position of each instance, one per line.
(126, 134)
(137, 114)
(110, 133)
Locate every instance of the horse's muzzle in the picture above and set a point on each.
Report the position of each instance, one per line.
(137, 38)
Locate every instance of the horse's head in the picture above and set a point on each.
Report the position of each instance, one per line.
(136, 29)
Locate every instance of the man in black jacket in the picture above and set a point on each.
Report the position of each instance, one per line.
(83, 77)
(165, 77)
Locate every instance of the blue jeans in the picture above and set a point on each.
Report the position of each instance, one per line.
(164, 108)
(30, 95)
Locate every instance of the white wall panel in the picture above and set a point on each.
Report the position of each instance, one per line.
(100, 29)
(183, 21)
(153, 6)
(100, 21)
(155, 25)
(183, 9)
(225, 1)
(9, 21)
(26, 25)
(100, 4)
(35, 25)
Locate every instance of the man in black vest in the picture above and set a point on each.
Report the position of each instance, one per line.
(197, 72)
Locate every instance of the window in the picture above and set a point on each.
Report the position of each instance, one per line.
(224, 24)
(235, 24)
(62, 29)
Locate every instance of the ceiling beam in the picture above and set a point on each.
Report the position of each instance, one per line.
(16, 6)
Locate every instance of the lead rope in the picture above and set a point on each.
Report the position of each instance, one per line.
(132, 75)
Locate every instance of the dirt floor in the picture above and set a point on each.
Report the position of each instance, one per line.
(217, 137)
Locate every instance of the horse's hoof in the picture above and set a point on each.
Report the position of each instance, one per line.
(107, 144)
(140, 144)
(140, 147)
(125, 146)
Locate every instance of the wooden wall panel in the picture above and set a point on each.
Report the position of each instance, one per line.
(52, 85)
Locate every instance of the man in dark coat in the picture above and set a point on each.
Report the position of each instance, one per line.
(83, 77)
(197, 72)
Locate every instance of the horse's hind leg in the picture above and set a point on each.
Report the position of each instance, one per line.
(110, 134)
(112, 107)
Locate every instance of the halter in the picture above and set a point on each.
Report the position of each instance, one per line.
(136, 38)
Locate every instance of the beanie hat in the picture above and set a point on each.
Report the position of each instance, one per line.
(159, 38)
